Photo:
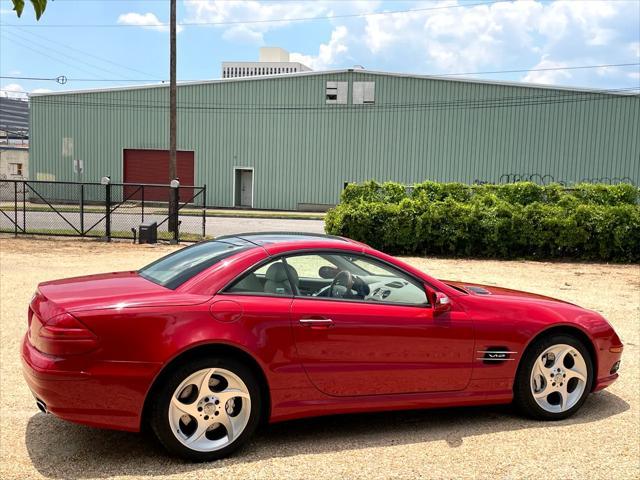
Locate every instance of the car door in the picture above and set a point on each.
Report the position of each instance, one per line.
(376, 346)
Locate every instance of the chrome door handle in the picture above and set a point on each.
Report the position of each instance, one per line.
(316, 322)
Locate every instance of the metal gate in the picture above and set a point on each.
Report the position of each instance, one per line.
(100, 210)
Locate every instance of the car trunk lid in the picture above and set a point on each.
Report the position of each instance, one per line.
(109, 290)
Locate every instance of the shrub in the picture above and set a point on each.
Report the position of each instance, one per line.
(523, 193)
(594, 222)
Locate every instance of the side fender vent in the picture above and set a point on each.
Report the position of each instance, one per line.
(496, 355)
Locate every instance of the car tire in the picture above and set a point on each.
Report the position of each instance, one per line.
(162, 418)
(537, 391)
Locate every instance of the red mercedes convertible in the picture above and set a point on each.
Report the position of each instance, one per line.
(209, 341)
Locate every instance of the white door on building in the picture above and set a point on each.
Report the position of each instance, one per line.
(243, 187)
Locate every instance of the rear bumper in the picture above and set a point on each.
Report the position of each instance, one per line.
(98, 394)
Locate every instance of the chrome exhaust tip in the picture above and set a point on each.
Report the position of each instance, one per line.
(41, 406)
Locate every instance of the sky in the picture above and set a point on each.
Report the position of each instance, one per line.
(98, 43)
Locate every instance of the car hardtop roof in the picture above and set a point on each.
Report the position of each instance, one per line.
(276, 242)
(262, 238)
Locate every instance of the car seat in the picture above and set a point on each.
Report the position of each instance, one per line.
(277, 280)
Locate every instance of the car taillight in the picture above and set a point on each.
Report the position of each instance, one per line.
(64, 335)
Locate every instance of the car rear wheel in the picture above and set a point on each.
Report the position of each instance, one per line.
(207, 409)
(555, 378)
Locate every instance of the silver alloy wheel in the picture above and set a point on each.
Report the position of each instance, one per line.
(209, 409)
(558, 378)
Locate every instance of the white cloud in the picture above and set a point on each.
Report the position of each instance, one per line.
(505, 36)
(242, 34)
(328, 53)
(588, 19)
(459, 37)
(454, 39)
(13, 90)
(549, 77)
(217, 11)
(145, 20)
(262, 14)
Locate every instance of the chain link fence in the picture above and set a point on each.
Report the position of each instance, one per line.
(110, 210)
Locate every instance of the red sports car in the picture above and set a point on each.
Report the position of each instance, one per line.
(211, 340)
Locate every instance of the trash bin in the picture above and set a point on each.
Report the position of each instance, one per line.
(148, 232)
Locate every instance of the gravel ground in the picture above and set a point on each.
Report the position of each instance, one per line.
(601, 441)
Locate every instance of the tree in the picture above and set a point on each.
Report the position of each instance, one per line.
(38, 6)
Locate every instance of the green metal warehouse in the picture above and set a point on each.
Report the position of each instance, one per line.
(292, 141)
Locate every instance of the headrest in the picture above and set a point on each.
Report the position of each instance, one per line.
(277, 273)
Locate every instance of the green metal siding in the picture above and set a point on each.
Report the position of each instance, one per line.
(303, 150)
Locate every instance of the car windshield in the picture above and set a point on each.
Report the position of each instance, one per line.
(175, 269)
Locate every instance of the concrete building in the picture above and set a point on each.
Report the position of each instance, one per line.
(273, 61)
(14, 165)
(292, 141)
(14, 162)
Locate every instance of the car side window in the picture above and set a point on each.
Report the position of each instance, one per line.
(310, 266)
(353, 277)
(269, 279)
(390, 285)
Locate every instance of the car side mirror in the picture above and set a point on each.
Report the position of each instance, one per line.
(440, 302)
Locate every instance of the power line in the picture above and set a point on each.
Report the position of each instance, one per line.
(577, 67)
(77, 79)
(97, 57)
(29, 78)
(53, 54)
(247, 22)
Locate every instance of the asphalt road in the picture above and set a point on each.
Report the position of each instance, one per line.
(123, 222)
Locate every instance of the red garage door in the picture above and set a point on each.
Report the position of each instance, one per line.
(152, 166)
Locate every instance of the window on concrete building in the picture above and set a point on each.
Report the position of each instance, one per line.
(364, 93)
(336, 92)
(15, 169)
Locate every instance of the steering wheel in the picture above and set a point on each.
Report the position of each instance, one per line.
(344, 280)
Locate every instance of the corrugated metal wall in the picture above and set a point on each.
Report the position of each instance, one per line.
(303, 150)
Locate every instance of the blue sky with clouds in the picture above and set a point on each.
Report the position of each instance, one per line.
(444, 36)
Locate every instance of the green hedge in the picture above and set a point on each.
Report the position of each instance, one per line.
(594, 222)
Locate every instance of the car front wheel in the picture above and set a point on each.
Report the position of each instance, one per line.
(207, 409)
(555, 378)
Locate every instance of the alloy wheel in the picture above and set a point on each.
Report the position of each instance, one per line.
(558, 378)
(209, 409)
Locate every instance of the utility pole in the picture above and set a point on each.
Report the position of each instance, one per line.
(173, 168)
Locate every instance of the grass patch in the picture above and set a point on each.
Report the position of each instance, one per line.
(136, 209)
(184, 237)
